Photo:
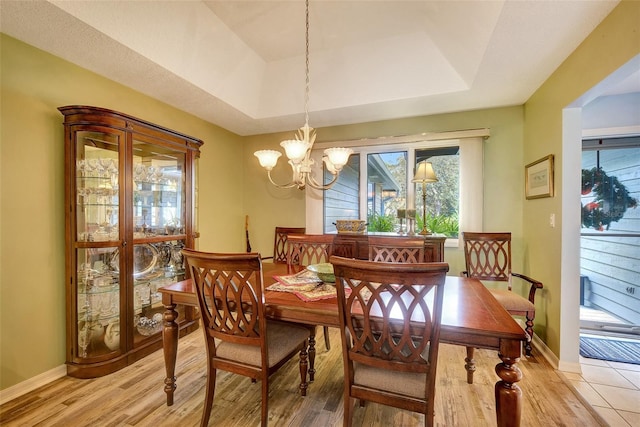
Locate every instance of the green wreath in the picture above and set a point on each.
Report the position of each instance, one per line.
(611, 199)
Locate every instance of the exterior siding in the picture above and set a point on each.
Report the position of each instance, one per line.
(341, 202)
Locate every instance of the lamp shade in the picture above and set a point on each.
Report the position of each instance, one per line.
(295, 149)
(267, 158)
(338, 156)
(424, 173)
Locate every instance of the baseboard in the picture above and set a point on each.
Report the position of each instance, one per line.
(32, 383)
(545, 351)
(553, 360)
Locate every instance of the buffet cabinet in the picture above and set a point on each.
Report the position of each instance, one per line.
(129, 202)
(354, 245)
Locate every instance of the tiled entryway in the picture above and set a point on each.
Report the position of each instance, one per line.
(611, 388)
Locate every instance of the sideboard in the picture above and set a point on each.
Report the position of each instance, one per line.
(357, 245)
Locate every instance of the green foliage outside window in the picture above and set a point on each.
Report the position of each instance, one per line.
(377, 222)
(439, 224)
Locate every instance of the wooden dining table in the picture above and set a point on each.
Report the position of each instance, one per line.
(471, 317)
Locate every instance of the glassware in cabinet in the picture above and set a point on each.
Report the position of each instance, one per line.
(97, 185)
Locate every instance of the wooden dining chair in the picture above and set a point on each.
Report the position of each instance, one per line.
(239, 338)
(396, 249)
(280, 243)
(488, 257)
(390, 330)
(304, 250)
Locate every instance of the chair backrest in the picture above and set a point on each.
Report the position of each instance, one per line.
(230, 296)
(396, 249)
(307, 249)
(487, 256)
(280, 242)
(390, 315)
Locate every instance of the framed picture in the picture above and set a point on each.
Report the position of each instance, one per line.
(538, 178)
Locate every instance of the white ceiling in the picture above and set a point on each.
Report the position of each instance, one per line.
(240, 64)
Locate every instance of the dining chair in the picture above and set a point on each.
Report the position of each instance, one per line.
(396, 249)
(308, 249)
(390, 317)
(488, 257)
(239, 338)
(280, 243)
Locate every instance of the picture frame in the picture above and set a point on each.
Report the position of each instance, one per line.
(538, 178)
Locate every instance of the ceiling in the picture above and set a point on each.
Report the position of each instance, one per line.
(240, 64)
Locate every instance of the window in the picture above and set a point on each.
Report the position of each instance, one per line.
(377, 182)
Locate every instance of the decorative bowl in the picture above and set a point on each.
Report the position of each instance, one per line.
(324, 272)
(151, 326)
(351, 226)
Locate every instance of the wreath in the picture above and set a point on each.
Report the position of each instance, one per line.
(611, 199)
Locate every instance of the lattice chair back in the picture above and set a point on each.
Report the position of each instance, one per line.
(396, 249)
(307, 249)
(488, 256)
(280, 242)
(230, 295)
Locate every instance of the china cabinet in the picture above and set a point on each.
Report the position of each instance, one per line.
(129, 201)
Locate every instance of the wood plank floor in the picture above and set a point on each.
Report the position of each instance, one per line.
(134, 396)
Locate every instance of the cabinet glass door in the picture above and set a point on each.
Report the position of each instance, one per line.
(97, 185)
(98, 303)
(97, 240)
(159, 209)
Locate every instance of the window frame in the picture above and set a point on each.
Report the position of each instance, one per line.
(471, 173)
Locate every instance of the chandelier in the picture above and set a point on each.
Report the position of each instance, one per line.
(298, 150)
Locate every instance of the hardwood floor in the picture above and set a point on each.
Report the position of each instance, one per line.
(134, 396)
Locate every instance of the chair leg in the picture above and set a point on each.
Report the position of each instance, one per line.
(529, 331)
(428, 419)
(348, 411)
(312, 354)
(264, 418)
(208, 395)
(303, 369)
(326, 338)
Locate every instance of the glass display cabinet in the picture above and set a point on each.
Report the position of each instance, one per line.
(129, 200)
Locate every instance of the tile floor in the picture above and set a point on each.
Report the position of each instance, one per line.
(611, 388)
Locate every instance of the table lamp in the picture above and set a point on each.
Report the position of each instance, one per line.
(424, 174)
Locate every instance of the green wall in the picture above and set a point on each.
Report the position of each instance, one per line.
(32, 292)
(612, 44)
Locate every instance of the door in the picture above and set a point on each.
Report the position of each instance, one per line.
(610, 236)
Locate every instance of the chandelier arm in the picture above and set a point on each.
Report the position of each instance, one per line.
(314, 184)
(289, 185)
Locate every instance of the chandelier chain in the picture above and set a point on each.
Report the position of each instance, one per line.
(299, 150)
(306, 92)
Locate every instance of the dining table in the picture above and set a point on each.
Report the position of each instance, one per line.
(471, 317)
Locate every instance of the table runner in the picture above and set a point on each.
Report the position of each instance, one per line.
(305, 285)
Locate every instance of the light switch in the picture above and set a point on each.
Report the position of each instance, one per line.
(552, 220)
